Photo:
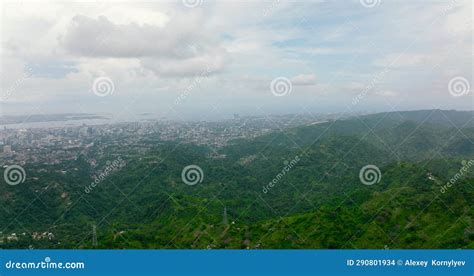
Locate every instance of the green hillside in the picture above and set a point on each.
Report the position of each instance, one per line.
(319, 202)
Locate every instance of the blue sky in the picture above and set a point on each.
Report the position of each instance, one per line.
(220, 58)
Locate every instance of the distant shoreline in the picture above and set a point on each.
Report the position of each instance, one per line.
(37, 118)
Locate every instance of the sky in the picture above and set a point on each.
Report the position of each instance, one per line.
(203, 59)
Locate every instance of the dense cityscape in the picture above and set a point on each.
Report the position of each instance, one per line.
(59, 144)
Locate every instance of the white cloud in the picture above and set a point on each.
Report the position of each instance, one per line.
(308, 79)
(152, 49)
(386, 93)
(100, 37)
(178, 48)
(400, 60)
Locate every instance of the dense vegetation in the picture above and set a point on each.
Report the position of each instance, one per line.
(319, 202)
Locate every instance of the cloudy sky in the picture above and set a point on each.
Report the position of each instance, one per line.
(203, 59)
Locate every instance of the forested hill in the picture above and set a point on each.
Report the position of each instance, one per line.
(401, 135)
(295, 188)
